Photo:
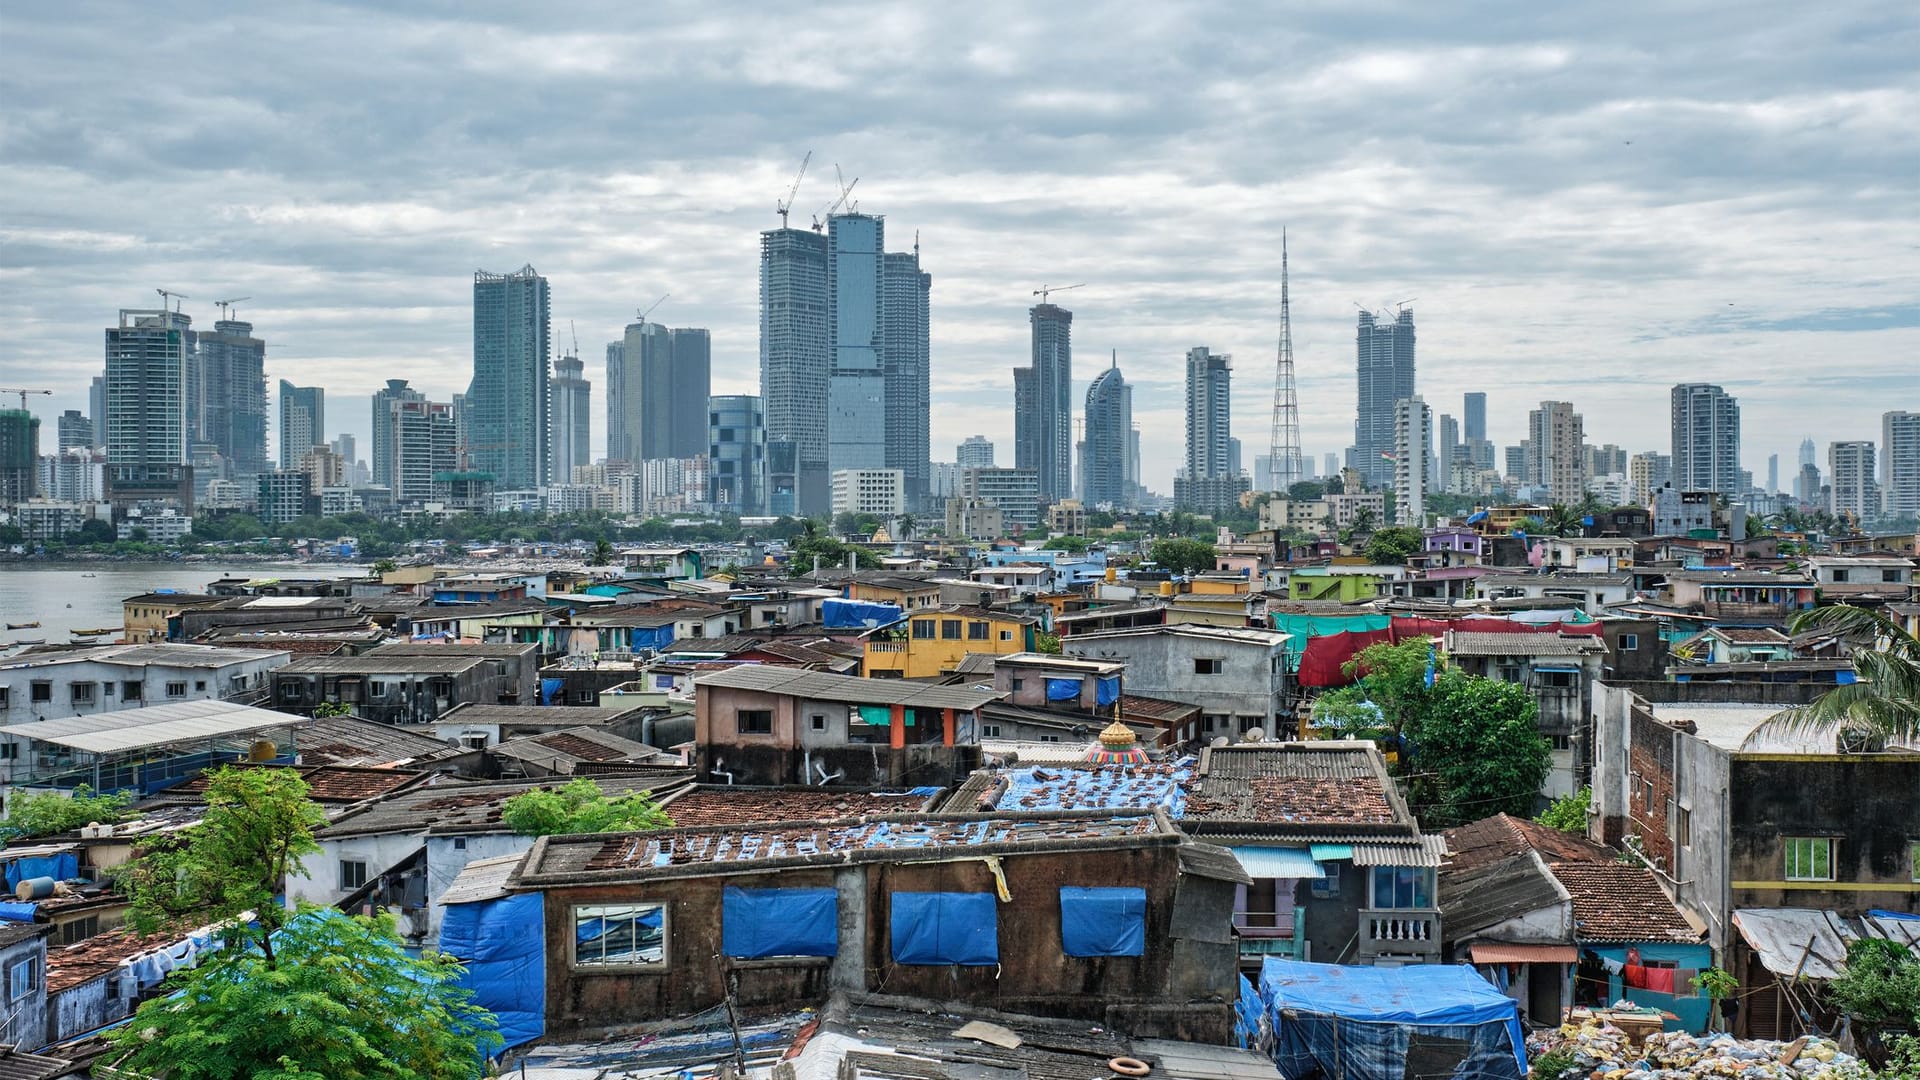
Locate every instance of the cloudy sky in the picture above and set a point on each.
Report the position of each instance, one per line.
(1585, 202)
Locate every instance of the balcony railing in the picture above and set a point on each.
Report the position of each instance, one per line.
(1270, 933)
(887, 646)
(1399, 932)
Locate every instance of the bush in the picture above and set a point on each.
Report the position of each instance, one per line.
(50, 812)
(581, 807)
(1568, 813)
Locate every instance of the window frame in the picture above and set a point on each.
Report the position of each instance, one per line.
(75, 697)
(133, 690)
(924, 630)
(1629, 643)
(1417, 888)
(1792, 854)
(347, 882)
(747, 721)
(637, 907)
(15, 990)
(950, 630)
(1209, 665)
(180, 693)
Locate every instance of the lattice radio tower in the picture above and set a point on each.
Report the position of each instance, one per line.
(1286, 467)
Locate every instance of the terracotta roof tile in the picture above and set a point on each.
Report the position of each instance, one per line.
(1615, 901)
(1503, 836)
(713, 806)
(85, 961)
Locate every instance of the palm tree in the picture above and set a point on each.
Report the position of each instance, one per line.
(1885, 702)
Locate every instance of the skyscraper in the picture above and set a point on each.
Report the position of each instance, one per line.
(146, 382)
(1853, 492)
(1385, 368)
(508, 406)
(421, 450)
(1900, 463)
(1648, 471)
(1773, 473)
(737, 441)
(384, 401)
(230, 395)
(1209, 484)
(1109, 438)
(1706, 439)
(1555, 439)
(76, 431)
(652, 381)
(1412, 434)
(1474, 409)
(19, 455)
(97, 410)
(1450, 446)
(613, 390)
(975, 453)
(1809, 453)
(1043, 414)
(303, 421)
(689, 385)
(572, 421)
(906, 359)
(856, 383)
(794, 366)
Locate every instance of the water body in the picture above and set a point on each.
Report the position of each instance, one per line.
(73, 597)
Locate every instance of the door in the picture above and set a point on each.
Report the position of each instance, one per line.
(1543, 993)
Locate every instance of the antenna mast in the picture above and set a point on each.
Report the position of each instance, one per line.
(1284, 465)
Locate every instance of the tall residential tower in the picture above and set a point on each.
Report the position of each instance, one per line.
(1385, 369)
(1043, 406)
(1706, 439)
(507, 403)
(1107, 453)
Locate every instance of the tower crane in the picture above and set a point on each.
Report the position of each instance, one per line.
(649, 311)
(223, 305)
(846, 189)
(1043, 290)
(782, 207)
(166, 295)
(23, 394)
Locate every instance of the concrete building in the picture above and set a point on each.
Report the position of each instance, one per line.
(97, 410)
(1210, 483)
(410, 684)
(794, 302)
(1852, 492)
(1647, 472)
(1015, 491)
(906, 360)
(282, 495)
(508, 402)
(974, 519)
(974, 453)
(303, 420)
(1235, 675)
(1558, 442)
(382, 451)
(19, 456)
(1106, 456)
(1559, 671)
(421, 449)
(78, 475)
(657, 394)
(228, 402)
(737, 448)
(75, 431)
(1043, 403)
(856, 380)
(1385, 372)
(1706, 440)
(1412, 434)
(881, 492)
(572, 430)
(148, 356)
(1900, 463)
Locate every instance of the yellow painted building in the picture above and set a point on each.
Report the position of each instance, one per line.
(932, 642)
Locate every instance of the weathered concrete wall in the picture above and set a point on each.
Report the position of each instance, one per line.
(1869, 804)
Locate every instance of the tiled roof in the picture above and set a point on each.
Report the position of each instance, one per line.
(1502, 836)
(472, 807)
(1331, 783)
(72, 965)
(348, 740)
(1749, 635)
(1615, 901)
(1481, 643)
(677, 852)
(1134, 707)
(328, 783)
(703, 806)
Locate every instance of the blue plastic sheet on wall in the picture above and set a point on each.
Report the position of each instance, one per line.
(1106, 691)
(857, 614)
(758, 923)
(61, 867)
(1103, 921)
(1063, 689)
(549, 688)
(503, 944)
(945, 928)
(13, 911)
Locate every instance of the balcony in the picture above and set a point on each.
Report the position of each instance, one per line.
(1270, 933)
(886, 646)
(1401, 933)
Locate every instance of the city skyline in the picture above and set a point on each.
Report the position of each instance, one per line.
(1645, 235)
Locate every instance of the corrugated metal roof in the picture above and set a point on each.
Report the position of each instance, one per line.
(1431, 850)
(1481, 643)
(155, 725)
(830, 687)
(483, 879)
(1277, 862)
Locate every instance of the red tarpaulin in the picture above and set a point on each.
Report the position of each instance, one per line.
(1325, 657)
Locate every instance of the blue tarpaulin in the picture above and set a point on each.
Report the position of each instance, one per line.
(945, 928)
(1368, 1023)
(61, 867)
(549, 688)
(758, 923)
(503, 944)
(1106, 691)
(1063, 689)
(1103, 921)
(13, 911)
(857, 614)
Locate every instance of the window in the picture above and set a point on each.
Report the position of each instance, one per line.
(1809, 858)
(176, 689)
(923, 629)
(82, 693)
(585, 697)
(950, 629)
(817, 722)
(1401, 887)
(1006, 635)
(459, 843)
(9, 751)
(992, 731)
(1682, 826)
(625, 935)
(755, 721)
(23, 977)
(1049, 738)
(132, 691)
(1327, 887)
(1019, 684)
(76, 931)
(1913, 857)
(977, 631)
(1839, 577)
(376, 688)
(1629, 642)
(3, 698)
(1207, 665)
(199, 686)
(1646, 795)
(353, 874)
(1558, 680)
(1561, 741)
(40, 691)
(1891, 577)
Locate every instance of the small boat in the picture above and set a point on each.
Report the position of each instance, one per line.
(23, 625)
(30, 641)
(89, 574)
(98, 631)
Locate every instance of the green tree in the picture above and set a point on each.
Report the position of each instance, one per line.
(1388, 693)
(1307, 490)
(258, 827)
(1568, 813)
(1364, 521)
(602, 553)
(384, 566)
(1183, 556)
(1044, 642)
(1885, 702)
(1391, 546)
(1075, 545)
(47, 813)
(581, 807)
(332, 708)
(340, 1000)
(1475, 752)
(94, 531)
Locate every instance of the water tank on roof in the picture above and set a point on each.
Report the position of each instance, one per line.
(262, 750)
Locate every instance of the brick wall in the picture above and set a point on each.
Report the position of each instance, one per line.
(1650, 782)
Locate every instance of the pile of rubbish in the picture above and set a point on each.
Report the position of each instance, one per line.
(1596, 1050)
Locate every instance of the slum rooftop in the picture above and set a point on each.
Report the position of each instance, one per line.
(828, 687)
(704, 805)
(457, 807)
(161, 653)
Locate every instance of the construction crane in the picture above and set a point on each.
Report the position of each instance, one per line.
(166, 295)
(223, 305)
(785, 205)
(1043, 290)
(23, 394)
(576, 339)
(846, 190)
(649, 311)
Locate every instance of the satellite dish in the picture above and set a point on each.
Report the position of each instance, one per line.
(1254, 734)
(1218, 741)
